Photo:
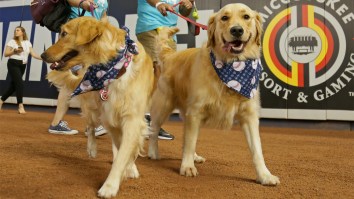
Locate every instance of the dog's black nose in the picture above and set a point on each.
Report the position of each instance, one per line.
(44, 56)
(236, 31)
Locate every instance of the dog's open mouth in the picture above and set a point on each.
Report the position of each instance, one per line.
(236, 46)
(61, 63)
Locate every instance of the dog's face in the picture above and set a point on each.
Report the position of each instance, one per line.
(79, 41)
(235, 32)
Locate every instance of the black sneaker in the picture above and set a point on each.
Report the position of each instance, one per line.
(163, 135)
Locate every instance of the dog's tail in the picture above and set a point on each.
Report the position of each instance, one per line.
(165, 41)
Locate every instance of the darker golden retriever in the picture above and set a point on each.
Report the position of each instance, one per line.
(89, 42)
(190, 82)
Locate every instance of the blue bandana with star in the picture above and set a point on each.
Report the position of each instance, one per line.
(240, 76)
(98, 76)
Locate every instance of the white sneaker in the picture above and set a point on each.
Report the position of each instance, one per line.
(98, 131)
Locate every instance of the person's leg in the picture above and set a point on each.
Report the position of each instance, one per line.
(149, 41)
(7, 93)
(19, 88)
(9, 90)
(58, 126)
(62, 106)
(12, 70)
(16, 70)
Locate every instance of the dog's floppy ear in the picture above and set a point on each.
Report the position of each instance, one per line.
(166, 33)
(259, 24)
(211, 31)
(104, 17)
(172, 31)
(87, 31)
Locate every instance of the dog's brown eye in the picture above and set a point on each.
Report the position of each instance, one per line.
(63, 34)
(224, 18)
(246, 17)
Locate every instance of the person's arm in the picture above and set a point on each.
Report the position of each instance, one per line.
(186, 7)
(160, 6)
(84, 5)
(33, 54)
(11, 51)
(153, 2)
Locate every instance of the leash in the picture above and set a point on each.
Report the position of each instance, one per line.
(204, 27)
(83, 10)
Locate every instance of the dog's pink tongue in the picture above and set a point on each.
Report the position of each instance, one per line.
(227, 47)
(56, 65)
(53, 66)
(235, 45)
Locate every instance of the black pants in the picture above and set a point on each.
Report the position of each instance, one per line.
(16, 70)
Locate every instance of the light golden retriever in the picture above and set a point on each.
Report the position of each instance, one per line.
(189, 83)
(87, 41)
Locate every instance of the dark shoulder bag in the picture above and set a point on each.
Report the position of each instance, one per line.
(50, 13)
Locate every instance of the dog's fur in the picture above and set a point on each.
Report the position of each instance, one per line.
(189, 83)
(122, 115)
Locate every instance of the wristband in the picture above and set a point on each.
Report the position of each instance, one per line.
(158, 3)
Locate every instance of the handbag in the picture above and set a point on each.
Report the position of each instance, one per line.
(50, 13)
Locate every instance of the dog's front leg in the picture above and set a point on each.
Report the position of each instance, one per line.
(91, 142)
(161, 108)
(191, 132)
(132, 170)
(250, 126)
(127, 153)
(153, 152)
(114, 150)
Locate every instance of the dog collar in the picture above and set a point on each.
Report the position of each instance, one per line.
(240, 76)
(98, 76)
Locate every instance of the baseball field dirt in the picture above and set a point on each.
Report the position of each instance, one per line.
(311, 163)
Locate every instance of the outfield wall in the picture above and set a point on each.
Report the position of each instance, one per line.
(308, 54)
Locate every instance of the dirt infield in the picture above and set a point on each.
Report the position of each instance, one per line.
(310, 163)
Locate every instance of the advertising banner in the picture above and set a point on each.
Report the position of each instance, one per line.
(308, 58)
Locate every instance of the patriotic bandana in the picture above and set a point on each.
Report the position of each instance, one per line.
(98, 76)
(240, 76)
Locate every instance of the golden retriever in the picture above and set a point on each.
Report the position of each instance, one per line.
(189, 83)
(87, 41)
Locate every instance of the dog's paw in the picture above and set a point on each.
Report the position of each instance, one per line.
(92, 153)
(198, 159)
(153, 154)
(91, 147)
(188, 171)
(269, 180)
(108, 191)
(132, 172)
